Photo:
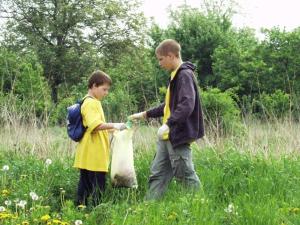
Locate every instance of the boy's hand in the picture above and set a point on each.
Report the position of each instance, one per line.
(137, 116)
(162, 130)
(119, 126)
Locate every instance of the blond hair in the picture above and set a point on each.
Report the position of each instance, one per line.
(168, 46)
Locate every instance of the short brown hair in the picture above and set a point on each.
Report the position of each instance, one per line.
(99, 78)
(168, 46)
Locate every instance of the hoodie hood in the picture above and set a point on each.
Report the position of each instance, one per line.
(187, 65)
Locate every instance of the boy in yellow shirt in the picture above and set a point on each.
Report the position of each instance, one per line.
(92, 152)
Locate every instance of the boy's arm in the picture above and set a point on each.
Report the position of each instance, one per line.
(91, 114)
(186, 99)
(156, 112)
(110, 126)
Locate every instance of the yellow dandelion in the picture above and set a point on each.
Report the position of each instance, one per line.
(5, 192)
(25, 223)
(296, 210)
(45, 218)
(172, 216)
(81, 206)
(55, 221)
(5, 215)
(65, 223)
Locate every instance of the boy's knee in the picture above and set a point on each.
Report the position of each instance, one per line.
(181, 168)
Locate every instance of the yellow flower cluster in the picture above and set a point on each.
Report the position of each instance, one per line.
(46, 218)
(290, 210)
(172, 216)
(294, 210)
(59, 222)
(5, 193)
(6, 215)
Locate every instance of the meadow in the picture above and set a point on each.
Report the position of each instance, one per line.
(248, 178)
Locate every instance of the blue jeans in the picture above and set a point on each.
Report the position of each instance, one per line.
(171, 162)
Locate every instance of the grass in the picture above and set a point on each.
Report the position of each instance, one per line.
(246, 179)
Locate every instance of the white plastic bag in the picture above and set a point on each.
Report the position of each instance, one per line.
(122, 165)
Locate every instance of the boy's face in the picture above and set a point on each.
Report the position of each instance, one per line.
(101, 91)
(166, 62)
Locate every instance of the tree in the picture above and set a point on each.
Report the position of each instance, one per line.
(237, 64)
(21, 77)
(198, 34)
(67, 35)
(280, 51)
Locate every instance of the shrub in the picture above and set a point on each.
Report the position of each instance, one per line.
(275, 105)
(221, 111)
(58, 114)
(23, 84)
(118, 104)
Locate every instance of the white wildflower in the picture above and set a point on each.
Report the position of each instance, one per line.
(230, 208)
(48, 162)
(34, 196)
(22, 204)
(7, 202)
(78, 222)
(5, 168)
(2, 208)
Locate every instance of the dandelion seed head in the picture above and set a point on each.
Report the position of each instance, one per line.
(7, 202)
(230, 208)
(78, 222)
(5, 168)
(48, 162)
(22, 204)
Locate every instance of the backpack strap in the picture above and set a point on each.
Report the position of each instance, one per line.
(82, 100)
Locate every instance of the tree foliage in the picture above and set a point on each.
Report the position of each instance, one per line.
(57, 44)
(23, 78)
(67, 35)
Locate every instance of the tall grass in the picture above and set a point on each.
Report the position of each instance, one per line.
(24, 133)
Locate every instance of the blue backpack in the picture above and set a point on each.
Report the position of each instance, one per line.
(75, 126)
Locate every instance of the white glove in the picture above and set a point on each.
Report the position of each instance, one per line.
(136, 116)
(119, 126)
(162, 130)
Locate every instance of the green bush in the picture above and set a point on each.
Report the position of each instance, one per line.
(295, 99)
(275, 105)
(58, 114)
(23, 84)
(118, 105)
(221, 111)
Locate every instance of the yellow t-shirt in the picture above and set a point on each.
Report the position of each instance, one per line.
(167, 111)
(92, 152)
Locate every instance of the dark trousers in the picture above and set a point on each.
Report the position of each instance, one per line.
(90, 183)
